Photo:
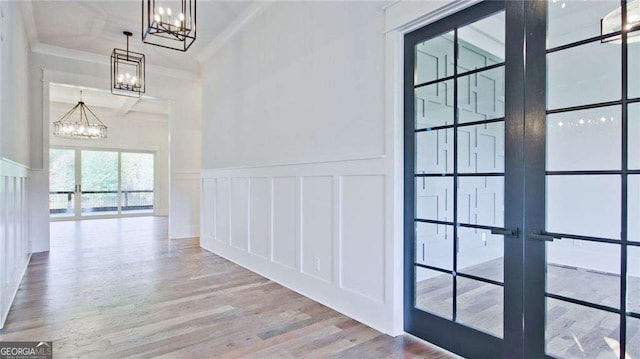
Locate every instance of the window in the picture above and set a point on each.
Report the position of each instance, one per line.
(100, 182)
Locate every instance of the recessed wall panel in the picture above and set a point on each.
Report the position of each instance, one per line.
(259, 216)
(240, 213)
(362, 235)
(317, 226)
(208, 208)
(285, 246)
(223, 186)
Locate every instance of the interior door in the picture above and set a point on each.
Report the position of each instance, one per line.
(583, 276)
(463, 165)
(569, 285)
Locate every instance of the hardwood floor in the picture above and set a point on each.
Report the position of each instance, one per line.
(118, 288)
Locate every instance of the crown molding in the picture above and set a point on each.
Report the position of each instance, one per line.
(441, 12)
(44, 49)
(219, 41)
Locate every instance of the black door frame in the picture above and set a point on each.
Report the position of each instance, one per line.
(453, 336)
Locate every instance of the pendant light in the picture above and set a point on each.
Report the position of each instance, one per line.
(169, 23)
(84, 125)
(127, 71)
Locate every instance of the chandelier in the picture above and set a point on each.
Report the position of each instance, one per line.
(164, 26)
(613, 23)
(127, 71)
(81, 126)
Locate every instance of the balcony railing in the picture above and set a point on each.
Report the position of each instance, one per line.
(100, 201)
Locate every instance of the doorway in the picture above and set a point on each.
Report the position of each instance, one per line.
(124, 174)
(521, 196)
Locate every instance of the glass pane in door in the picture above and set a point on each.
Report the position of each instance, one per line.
(633, 280)
(99, 194)
(62, 182)
(579, 331)
(137, 182)
(633, 337)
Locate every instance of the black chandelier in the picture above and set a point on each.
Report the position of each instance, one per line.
(127, 71)
(169, 23)
(85, 126)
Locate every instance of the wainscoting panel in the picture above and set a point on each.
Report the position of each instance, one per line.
(15, 241)
(285, 224)
(221, 215)
(259, 221)
(316, 228)
(209, 207)
(239, 207)
(362, 235)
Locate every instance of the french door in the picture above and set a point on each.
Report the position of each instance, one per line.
(89, 183)
(522, 180)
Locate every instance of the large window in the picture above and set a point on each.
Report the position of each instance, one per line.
(100, 182)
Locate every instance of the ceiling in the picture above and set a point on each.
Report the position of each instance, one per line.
(97, 26)
(122, 105)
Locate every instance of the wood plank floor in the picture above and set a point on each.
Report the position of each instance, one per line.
(118, 288)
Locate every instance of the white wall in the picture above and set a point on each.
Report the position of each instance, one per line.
(182, 90)
(135, 131)
(295, 180)
(15, 239)
(301, 82)
(15, 81)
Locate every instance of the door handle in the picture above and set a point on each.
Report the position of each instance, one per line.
(512, 232)
(542, 236)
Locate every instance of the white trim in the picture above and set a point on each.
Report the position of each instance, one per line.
(439, 13)
(144, 96)
(390, 4)
(366, 158)
(13, 169)
(227, 33)
(4, 315)
(62, 52)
